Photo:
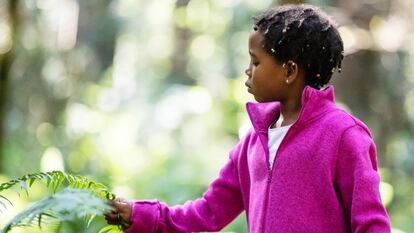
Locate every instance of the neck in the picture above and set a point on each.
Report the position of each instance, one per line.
(290, 109)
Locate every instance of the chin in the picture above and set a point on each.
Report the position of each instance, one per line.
(264, 100)
(259, 100)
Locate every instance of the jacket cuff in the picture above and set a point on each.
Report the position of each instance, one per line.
(144, 217)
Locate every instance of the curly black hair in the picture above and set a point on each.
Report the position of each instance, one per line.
(306, 35)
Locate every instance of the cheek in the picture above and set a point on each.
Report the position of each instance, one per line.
(256, 74)
(259, 75)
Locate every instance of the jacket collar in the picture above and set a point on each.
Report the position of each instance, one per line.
(314, 103)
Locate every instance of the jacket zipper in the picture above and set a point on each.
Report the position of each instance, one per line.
(270, 170)
(269, 178)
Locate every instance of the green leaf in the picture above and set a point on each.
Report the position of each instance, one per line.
(24, 186)
(3, 197)
(66, 205)
(55, 179)
(58, 183)
(111, 229)
(105, 229)
(49, 179)
(70, 180)
(71, 205)
(32, 180)
(39, 221)
(89, 220)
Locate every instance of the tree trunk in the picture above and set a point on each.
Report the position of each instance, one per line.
(180, 58)
(5, 64)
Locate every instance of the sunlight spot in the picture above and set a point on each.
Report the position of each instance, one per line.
(44, 133)
(109, 99)
(67, 24)
(77, 119)
(348, 39)
(244, 128)
(389, 34)
(52, 159)
(199, 100)
(45, 4)
(387, 193)
(123, 191)
(198, 15)
(226, 3)
(202, 47)
(395, 230)
(6, 42)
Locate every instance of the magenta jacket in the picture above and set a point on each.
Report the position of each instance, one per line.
(324, 179)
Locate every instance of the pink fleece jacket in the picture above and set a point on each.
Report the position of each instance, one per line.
(324, 179)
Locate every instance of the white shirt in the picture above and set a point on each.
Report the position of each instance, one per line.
(276, 136)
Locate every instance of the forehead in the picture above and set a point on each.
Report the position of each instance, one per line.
(256, 41)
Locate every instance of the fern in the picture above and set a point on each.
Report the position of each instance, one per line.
(54, 181)
(66, 205)
(111, 229)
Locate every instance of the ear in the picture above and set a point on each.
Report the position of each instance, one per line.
(292, 71)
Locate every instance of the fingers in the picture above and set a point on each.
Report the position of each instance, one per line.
(120, 213)
(123, 209)
(117, 205)
(113, 218)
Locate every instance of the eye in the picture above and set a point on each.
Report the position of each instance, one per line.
(254, 61)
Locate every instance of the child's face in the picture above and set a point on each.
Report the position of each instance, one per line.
(266, 77)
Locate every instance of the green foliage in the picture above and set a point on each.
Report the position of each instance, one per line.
(83, 198)
(107, 104)
(66, 205)
(54, 180)
(111, 229)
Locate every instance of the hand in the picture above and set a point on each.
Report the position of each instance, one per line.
(120, 213)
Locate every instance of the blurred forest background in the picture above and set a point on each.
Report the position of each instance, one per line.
(148, 97)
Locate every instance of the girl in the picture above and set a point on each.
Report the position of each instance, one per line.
(305, 166)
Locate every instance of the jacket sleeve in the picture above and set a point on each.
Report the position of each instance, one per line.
(215, 209)
(358, 181)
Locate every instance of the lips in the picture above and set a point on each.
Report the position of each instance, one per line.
(249, 89)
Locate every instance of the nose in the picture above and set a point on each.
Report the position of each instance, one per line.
(248, 72)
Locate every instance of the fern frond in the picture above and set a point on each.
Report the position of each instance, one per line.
(4, 198)
(54, 181)
(37, 214)
(111, 229)
(66, 205)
